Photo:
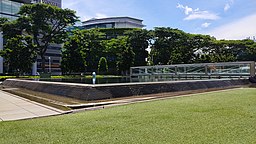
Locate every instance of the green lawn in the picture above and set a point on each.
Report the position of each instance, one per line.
(220, 117)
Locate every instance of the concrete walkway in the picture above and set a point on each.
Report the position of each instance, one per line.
(16, 108)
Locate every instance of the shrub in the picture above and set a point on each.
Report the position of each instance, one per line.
(102, 66)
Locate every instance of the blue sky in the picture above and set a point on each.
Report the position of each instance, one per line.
(224, 19)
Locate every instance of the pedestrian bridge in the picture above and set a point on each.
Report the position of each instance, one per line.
(196, 71)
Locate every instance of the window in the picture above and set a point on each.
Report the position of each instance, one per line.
(6, 6)
(109, 26)
(15, 7)
(0, 6)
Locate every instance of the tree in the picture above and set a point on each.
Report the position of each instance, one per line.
(201, 47)
(46, 24)
(139, 41)
(19, 50)
(82, 51)
(92, 47)
(72, 56)
(221, 52)
(242, 49)
(120, 55)
(171, 47)
(103, 66)
(2, 22)
(125, 60)
(19, 54)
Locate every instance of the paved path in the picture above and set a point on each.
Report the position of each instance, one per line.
(16, 108)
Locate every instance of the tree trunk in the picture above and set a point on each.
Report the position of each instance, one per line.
(42, 54)
(43, 63)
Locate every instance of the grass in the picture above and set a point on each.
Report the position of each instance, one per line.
(217, 117)
(86, 76)
(2, 78)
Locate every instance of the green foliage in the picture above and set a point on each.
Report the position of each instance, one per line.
(19, 51)
(103, 66)
(19, 54)
(121, 53)
(227, 51)
(125, 58)
(72, 56)
(171, 47)
(82, 51)
(2, 22)
(124, 48)
(2, 78)
(139, 42)
(93, 47)
(11, 29)
(115, 32)
(46, 24)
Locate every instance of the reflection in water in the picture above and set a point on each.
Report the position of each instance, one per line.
(94, 80)
(91, 80)
(109, 80)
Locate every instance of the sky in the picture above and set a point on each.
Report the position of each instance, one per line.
(223, 19)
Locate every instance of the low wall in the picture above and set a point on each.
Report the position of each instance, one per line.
(106, 91)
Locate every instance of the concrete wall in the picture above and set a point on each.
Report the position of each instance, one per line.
(96, 92)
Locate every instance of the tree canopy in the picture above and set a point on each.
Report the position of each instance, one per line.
(167, 45)
(39, 25)
(46, 24)
(19, 54)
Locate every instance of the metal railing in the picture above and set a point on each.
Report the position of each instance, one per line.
(226, 69)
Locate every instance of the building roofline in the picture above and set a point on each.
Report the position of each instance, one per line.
(94, 19)
(140, 25)
(23, 1)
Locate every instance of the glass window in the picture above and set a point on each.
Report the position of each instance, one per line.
(0, 5)
(15, 7)
(6, 6)
(108, 25)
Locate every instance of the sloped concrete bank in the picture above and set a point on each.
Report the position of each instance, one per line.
(106, 91)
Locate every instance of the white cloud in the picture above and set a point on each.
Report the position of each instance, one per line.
(202, 15)
(206, 25)
(75, 5)
(228, 5)
(100, 15)
(187, 9)
(197, 14)
(239, 29)
(84, 13)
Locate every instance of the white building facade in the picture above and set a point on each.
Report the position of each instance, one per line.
(113, 22)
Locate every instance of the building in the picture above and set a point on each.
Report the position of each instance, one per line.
(113, 22)
(51, 2)
(252, 38)
(113, 27)
(9, 9)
